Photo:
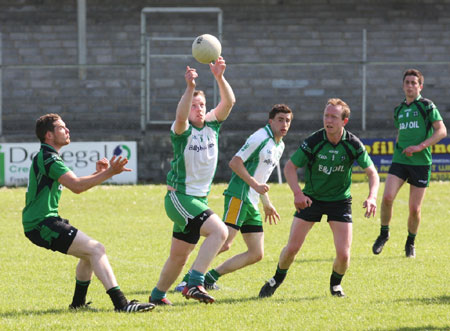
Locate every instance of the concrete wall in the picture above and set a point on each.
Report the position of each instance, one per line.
(295, 52)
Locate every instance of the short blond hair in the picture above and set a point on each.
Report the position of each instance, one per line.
(343, 104)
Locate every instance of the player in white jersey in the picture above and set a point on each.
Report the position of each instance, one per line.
(194, 136)
(252, 166)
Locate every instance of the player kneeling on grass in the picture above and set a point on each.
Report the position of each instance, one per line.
(194, 136)
(45, 228)
(252, 166)
(328, 156)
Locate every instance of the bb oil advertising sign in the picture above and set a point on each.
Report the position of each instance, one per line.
(381, 151)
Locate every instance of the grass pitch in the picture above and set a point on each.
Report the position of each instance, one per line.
(385, 292)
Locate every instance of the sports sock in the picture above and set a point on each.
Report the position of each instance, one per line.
(79, 297)
(335, 279)
(411, 238)
(117, 297)
(196, 278)
(212, 276)
(157, 294)
(280, 275)
(186, 277)
(384, 231)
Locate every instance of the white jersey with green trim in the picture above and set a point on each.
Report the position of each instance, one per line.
(260, 154)
(195, 157)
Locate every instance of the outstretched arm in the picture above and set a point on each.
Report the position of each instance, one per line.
(227, 98)
(80, 184)
(185, 103)
(370, 204)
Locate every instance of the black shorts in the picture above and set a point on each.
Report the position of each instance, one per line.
(339, 211)
(53, 233)
(191, 233)
(418, 176)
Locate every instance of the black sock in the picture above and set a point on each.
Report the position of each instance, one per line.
(384, 231)
(280, 275)
(335, 279)
(117, 297)
(411, 238)
(79, 297)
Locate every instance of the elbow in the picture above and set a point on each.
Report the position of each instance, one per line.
(231, 164)
(77, 190)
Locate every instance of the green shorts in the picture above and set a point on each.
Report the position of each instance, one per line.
(188, 213)
(241, 215)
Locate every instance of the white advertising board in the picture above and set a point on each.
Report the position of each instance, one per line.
(15, 160)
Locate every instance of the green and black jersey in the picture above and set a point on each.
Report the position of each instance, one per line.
(328, 167)
(414, 124)
(44, 190)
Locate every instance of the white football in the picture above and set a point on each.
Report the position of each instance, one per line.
(206, 48)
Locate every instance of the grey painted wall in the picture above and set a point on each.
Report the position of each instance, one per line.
(295, 52)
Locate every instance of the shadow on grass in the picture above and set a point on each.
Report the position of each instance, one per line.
(15, 313)
(423, 327)
(256, 298)
(439, 300)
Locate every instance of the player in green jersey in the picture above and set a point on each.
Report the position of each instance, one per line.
(419, 126)
(328, 156)
(45, 228)
(252, 166)
(194, 136)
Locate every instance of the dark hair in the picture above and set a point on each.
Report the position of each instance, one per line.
(414, 72)
(280, 108)
(45, 124)
(343, 104)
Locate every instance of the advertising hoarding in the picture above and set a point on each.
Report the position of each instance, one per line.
(80, 157)
(381, 151)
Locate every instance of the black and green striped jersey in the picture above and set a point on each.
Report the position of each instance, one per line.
(414, 124)
(328, 167)
(44, 190)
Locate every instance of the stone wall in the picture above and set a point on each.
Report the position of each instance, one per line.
(295, 52)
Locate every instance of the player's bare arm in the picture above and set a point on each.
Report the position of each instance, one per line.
(370, 204)
(440, 131)
(270, 212)
(227, 98)
(301, 201)
(237, 165)
(80, 184)
(184, 105)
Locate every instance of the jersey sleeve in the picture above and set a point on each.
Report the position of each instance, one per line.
(57, 168)
(250, 146)
(434, 113)
(175, 136)
(396, 118)
(364, 160)
(299, 158)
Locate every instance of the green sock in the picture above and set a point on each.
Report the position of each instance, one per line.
(186, 277)
(157, 294)
(196, 278)
(212, 276)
